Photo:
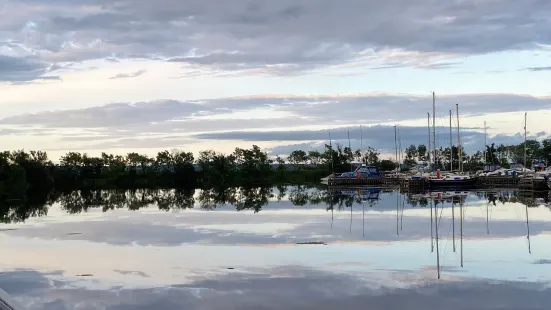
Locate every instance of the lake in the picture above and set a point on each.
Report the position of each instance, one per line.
(278, 248)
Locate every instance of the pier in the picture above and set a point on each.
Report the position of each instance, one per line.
(417, 185)
(364, 181)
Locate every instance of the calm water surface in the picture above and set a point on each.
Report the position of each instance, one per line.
(279, 248)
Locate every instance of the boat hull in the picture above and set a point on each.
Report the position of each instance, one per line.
(462, 183)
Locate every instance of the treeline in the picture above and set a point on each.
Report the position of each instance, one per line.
(501, 155)
(21, 170)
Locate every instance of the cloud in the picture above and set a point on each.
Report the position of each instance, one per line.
(281, 287)
(288, 36)
(23, 69)
(128, 75)
(166, 123)
(320, 110)
(536, 69)
(111, 115)
(380, 137)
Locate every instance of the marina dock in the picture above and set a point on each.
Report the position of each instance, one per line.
(421, 184)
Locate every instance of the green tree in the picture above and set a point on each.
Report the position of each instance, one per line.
(411, 156)
(422, 152)
(297, 157)
(315, 157)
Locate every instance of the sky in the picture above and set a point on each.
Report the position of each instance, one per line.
(121, 76)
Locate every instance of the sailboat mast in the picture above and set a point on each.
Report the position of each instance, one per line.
(525, 121)
(331, 151)
(361, 143)
(434, 127)
(451, 143)
(396, 146)
(459, 148)
(350, 149)
(485, 144)
(428, 127)
(401, 157)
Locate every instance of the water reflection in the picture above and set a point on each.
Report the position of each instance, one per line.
(173, 249)
(254, 198)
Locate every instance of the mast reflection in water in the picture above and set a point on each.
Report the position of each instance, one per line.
(193, 239)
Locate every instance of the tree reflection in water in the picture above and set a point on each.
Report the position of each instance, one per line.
(242, 198)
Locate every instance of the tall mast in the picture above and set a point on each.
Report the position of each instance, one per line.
(525, 121)
(361, 143)
(459, 148)
(485, 144)
(434, 126)
(451, 143)
(331, 151)
(401, 155)
(396, 146)
(428, 127)
(350, 149)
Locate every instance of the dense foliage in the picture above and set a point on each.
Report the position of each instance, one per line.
(21, 172)
(501, 155)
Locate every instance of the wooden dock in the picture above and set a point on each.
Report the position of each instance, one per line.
(498, 182)
(418, 185)
(532, 184)
(364, 181)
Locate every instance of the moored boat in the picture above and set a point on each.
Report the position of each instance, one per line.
(363, 171)
(452, 181)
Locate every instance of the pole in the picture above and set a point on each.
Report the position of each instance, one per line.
(451, 143)
(396, 146)
(434, 126)
(331, 151)
(485, 144)
(428, 126)
(401, 157)
(361, 143)
(525, 121)
(459, 148)
(350, 149)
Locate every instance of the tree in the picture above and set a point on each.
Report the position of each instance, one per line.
(253, 163)
(422, 152)
(73, 159)
(372, 156)
(411, 156)
(297, 157)
(387, 165)
(280, 164)
(491, 154)
(545, 152)
(314, 157)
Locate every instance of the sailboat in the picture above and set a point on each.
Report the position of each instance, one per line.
(450, 180)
